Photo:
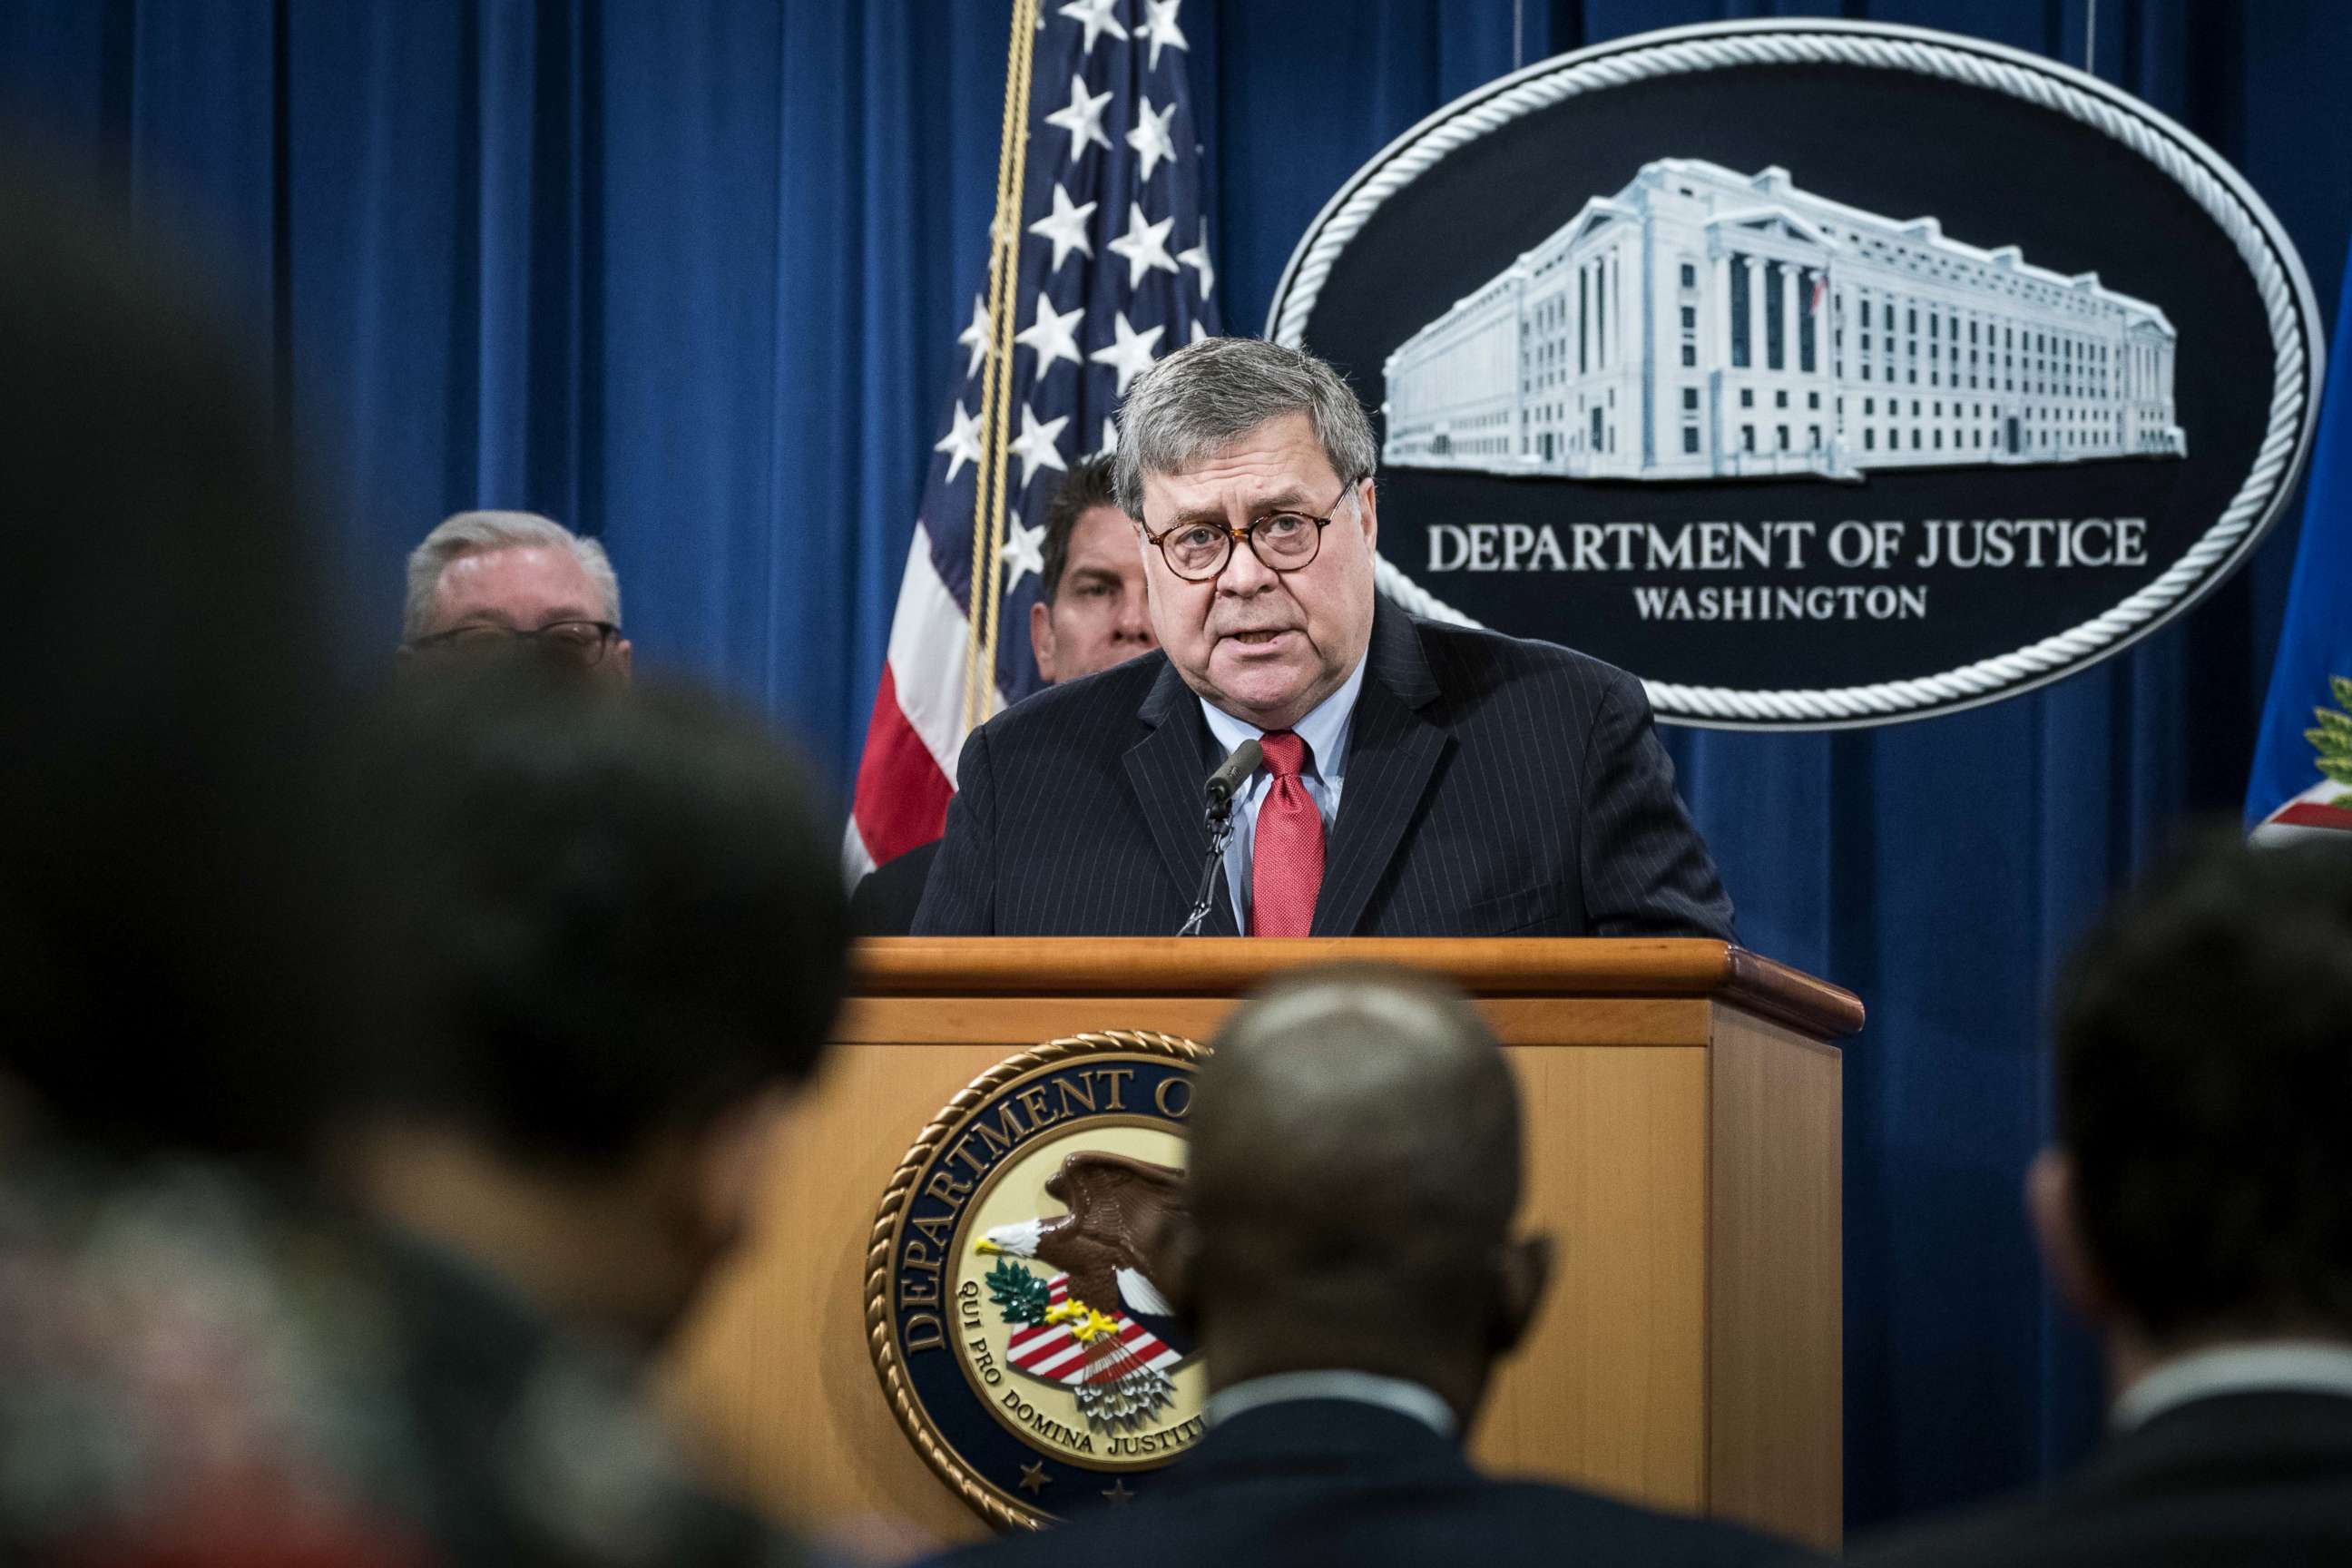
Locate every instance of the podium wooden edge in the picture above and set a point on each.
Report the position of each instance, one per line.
(1225, 966)
(1775, 1286)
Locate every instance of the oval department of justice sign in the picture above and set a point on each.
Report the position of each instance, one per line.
(1016, 1321)
(1821, 374)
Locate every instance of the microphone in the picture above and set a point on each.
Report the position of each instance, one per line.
(1231, 774)
(1219, 792)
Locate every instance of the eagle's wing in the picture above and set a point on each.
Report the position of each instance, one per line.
(1121, 1204)
(1141, 1297)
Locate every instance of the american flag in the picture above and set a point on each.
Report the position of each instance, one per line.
(1113, 271)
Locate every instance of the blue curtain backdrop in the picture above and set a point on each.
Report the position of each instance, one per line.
(689, 277)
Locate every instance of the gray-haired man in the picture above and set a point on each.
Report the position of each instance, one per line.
(1491, 786)
(496, 582)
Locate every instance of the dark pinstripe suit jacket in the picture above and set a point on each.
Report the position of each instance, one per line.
(1494, 787)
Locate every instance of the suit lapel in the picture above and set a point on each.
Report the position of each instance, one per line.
(1393, 749)
(1165, 770)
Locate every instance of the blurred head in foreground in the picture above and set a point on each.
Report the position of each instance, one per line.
(167, 915)
(2201, 1190)
(1355, 1171)
(500, 582)
(600, 910)
(172, 915)
(625, 944)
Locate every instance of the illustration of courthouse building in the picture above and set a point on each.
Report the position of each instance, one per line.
(1703, 323)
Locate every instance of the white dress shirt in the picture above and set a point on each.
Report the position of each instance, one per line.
(2278, 1366)
(1406, 1398)
(1324, 731)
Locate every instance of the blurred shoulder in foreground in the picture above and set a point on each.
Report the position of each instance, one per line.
(234, 964)
(2196, 1210)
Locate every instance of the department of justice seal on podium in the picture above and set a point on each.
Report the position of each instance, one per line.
(1020, 1326)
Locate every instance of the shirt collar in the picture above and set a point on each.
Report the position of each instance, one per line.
(1406, 1398)
(1325, 728)
(2279, 1366)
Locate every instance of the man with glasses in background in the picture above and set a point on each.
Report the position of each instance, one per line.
(1417, 780)
(501, 583)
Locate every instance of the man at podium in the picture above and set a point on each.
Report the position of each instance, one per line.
(1414, 780)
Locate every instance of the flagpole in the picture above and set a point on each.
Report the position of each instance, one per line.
(952, 659)
(996, 395)
(1025, 33)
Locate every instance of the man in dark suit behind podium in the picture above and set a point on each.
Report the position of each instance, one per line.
(1419, 779)
(1348, 1259)
(2198, 1211)
(1089, 615)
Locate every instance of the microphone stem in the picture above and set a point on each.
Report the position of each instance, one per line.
(1221, 830)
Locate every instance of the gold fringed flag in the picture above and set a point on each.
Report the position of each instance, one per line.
(1100, 264)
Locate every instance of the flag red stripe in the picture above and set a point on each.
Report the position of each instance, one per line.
(2311, 814)
(902, 795)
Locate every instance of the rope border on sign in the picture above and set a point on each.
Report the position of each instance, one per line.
(2285, 294)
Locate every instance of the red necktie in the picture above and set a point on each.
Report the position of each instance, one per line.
(1286, 856)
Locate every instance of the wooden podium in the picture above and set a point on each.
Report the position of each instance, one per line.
(1682, 1103)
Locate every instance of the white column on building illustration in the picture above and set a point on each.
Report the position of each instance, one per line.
(1588, 353)
(1572, 310)
(1790, 358)
(1755, 265)
(1821, 318)
(1612, 306)
(1516, 370)
(1601, 303)
(1718, 312)
(1600, 313)
(1628, 322)
(1603, 310)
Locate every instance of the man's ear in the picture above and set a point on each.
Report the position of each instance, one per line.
(1041, 639)
(2053, 1207)
(1367, 504)
(1144, 551)
(1524, 1274)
